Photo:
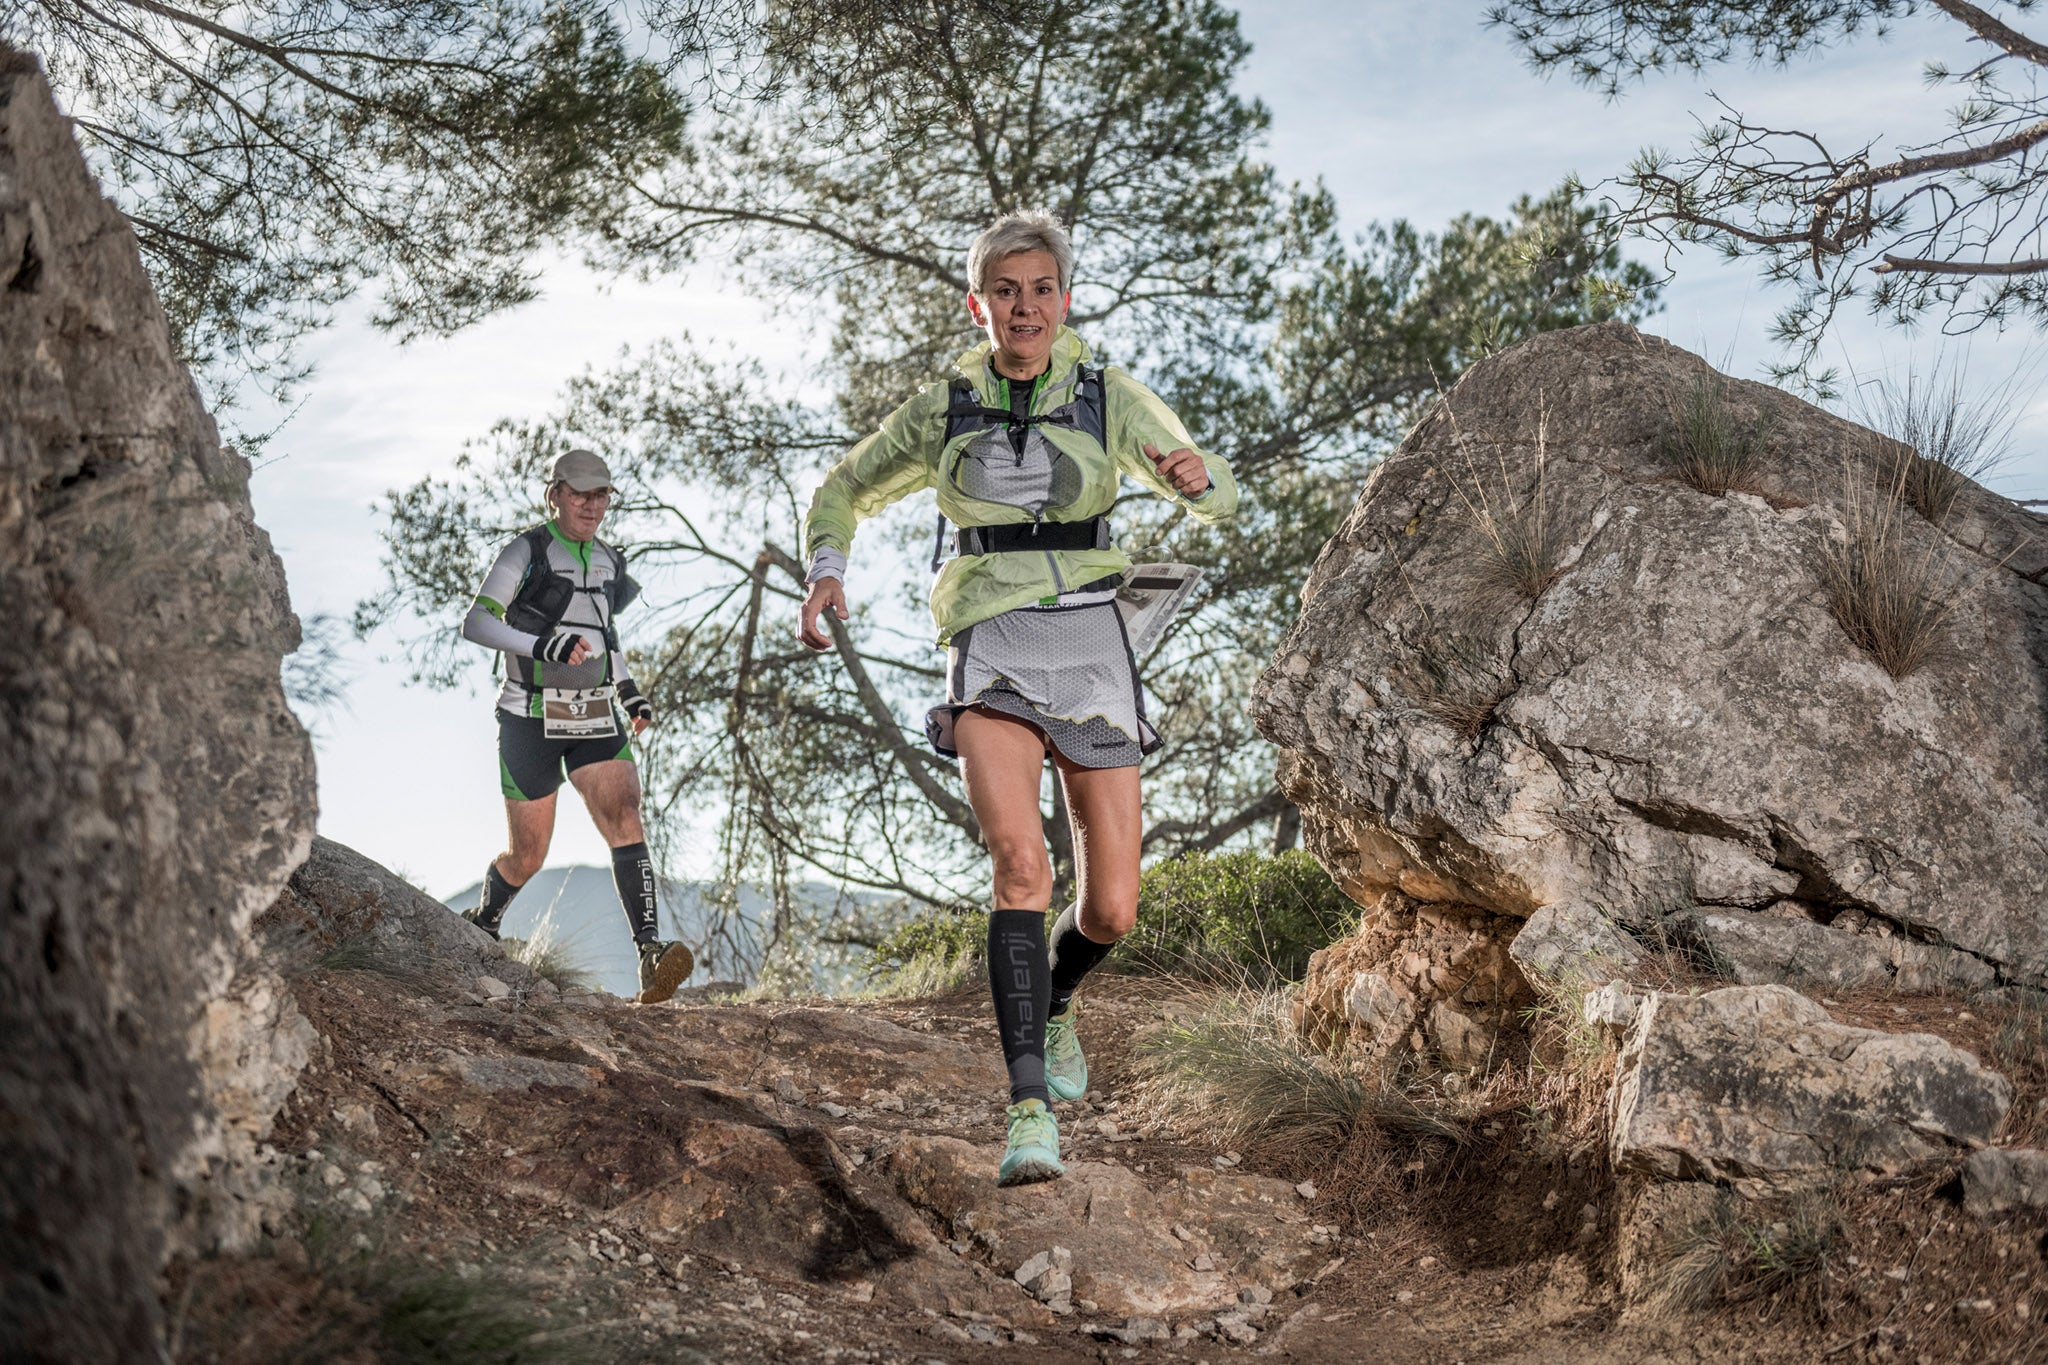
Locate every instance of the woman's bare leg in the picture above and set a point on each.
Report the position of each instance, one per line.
(1003, 761)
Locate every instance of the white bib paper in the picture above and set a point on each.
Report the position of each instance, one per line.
(567, 713)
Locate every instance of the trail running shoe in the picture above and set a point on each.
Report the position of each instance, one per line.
(1066, 1070)
(662, 968)
(1034, 1153)
(471, 915)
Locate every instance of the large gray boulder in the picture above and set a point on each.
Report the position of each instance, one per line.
(1757, 1086)
(1676, 718)
(157, 790)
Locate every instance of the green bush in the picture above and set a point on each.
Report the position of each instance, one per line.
(928, 955)
(1253, 916)
(1243, 916)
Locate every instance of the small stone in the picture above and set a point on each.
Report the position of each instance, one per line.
(1181, 1232)
(491, 988)
(1255, 1293)
(644, 1258)
(1405, 1296)
(1204, 1262)
(831, 1110)
(1306, 1189)
(1428, 1263)
(1233, 1327)
(1036, 1265)
(371, 1187)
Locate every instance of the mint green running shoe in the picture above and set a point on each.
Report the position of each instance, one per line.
(1066, 1070)
(1034, 1153)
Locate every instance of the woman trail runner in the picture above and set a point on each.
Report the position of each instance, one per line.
(547, 603)
(1026, 449)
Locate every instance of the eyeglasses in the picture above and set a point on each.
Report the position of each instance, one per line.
(594, 495)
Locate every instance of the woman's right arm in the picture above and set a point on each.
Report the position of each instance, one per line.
(886, 467)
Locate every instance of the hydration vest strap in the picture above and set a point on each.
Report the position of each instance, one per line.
(1092, 534)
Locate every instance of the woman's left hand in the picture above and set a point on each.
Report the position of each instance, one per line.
(1183, 469)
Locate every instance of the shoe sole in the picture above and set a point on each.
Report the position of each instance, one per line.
(1031, 1171)
(669, 971)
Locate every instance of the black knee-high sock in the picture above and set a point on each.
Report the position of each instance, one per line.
(1073, 956)
(496, 895)
(633, 874)
(1019, 981)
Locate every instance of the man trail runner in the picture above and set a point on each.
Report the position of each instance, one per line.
(548, 603)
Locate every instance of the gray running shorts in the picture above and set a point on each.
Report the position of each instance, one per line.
(1066, 668)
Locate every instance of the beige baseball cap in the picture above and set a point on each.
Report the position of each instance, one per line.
(581, 470)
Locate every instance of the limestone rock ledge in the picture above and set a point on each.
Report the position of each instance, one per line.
(1676, 718)
(157, 789)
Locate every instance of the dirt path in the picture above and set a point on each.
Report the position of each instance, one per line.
(795, 1181)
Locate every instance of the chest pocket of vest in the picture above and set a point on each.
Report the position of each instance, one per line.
(1040, 476)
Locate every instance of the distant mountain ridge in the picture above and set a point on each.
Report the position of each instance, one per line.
(579, 907)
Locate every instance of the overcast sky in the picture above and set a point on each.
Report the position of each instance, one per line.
(1405, 110)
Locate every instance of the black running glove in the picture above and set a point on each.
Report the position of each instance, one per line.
(637, 706)
(557, 647)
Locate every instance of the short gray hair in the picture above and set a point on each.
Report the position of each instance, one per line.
(1013, 234)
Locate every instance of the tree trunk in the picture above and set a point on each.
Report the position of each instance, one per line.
(1287, 828)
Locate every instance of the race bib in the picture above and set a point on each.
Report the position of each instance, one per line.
(569, 713)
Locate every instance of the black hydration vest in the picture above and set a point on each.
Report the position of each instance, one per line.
(1088, 413)
(544, 595)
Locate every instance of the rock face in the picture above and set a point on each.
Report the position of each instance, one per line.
(1676, 717)
(1757, 1086)
(1434, 980)
(157, 789)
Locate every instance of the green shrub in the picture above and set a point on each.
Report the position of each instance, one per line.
(1241, 916)
(928, 955)
(1253, 916)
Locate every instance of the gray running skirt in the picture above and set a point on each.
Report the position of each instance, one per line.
(1066, 668)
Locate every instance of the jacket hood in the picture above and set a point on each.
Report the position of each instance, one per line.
(1068, 350)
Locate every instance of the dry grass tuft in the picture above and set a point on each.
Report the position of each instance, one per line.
(1520, 553)
(551, 957)
(1238, 1075)
(1740, 1251)
(1892, 600)
(1458, 681)
(1945, 437)
(1708, 448)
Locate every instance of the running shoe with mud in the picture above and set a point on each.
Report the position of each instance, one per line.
(1034, 1150)
(1066, 1070)
(662, 968)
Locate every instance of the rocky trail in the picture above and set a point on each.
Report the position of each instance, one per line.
(814, 1181)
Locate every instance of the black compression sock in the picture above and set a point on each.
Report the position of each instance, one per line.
(496, 895)
(633, 874)
(1073, 956)
(1019, 982)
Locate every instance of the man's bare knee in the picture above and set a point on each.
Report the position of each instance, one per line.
(518, 866)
